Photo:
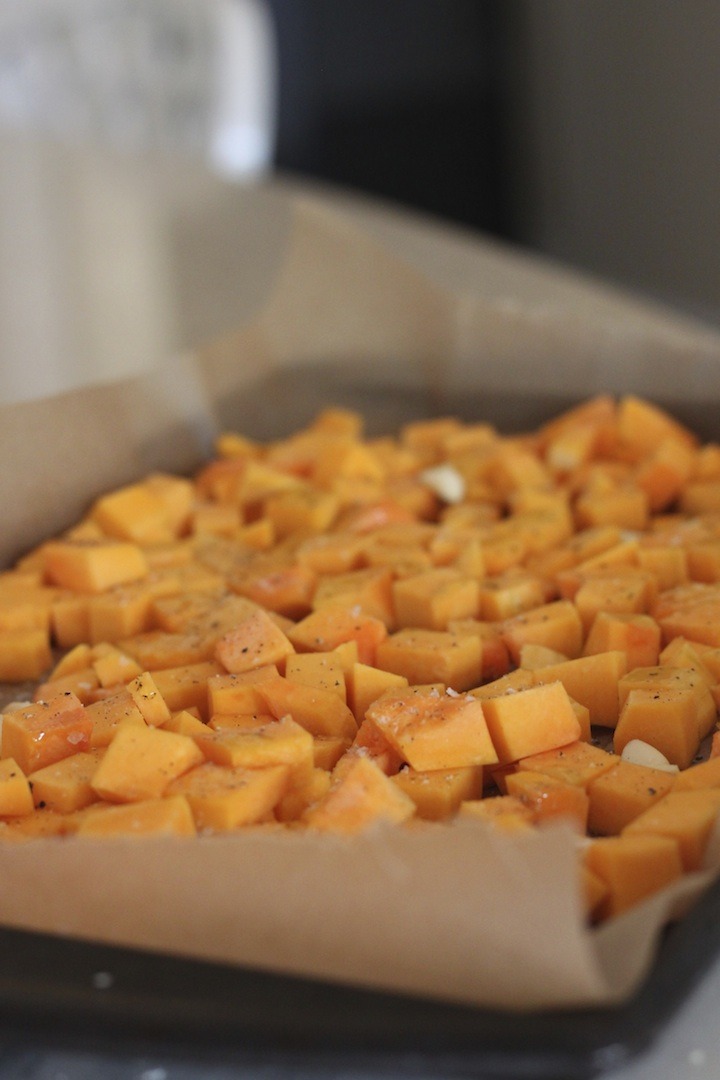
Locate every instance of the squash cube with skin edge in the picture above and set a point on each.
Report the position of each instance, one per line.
(434, 730)
(141, 762)
(632, 868)
(66, 785)
(620, 794)
(169, 816)
(360, 796)
(224, 798)
(423, 656)
(15, 793)
(43, 733)
(93, 566)
(530, 721)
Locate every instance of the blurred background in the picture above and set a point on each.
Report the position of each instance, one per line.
(587, 130)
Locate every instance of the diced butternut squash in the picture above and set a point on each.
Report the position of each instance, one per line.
(431, 599)
(93, 566)
(556, 625)
(620, 794)
(530, 721)
(46, 732)
(223, 798)
(550, 798)
(24, 655)
(322, 669)
(575, 763)
(151, 817)
(253, 643)
(321, 712)
(360, 796)
(422, 655)
(438, 793)
(274, 742)
(632, 868)
(684, 816)
(66, 785)
(434, 730)
(15, 792)
(331, 626)
(140, 762)
(637, 635)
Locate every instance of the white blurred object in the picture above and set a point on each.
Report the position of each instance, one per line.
(178, 77)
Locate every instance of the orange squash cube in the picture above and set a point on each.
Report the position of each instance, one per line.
(255, 642)
(43, 733)
(549, 798)
(686, 817)
(431, 599)
(93, 566)
(530, 721)
(224, 798)
(438, 793)
(361, 795)
(321, 712)
(423, 656)
(151, 817)
(140, 762)
(15, 793)
(632, 868)
(434, 730)
(66, 785)
(622, 793)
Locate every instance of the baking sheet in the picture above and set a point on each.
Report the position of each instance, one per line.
(124, 1003)
(349, 321)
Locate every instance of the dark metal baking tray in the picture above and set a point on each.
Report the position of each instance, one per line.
(69, 994)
